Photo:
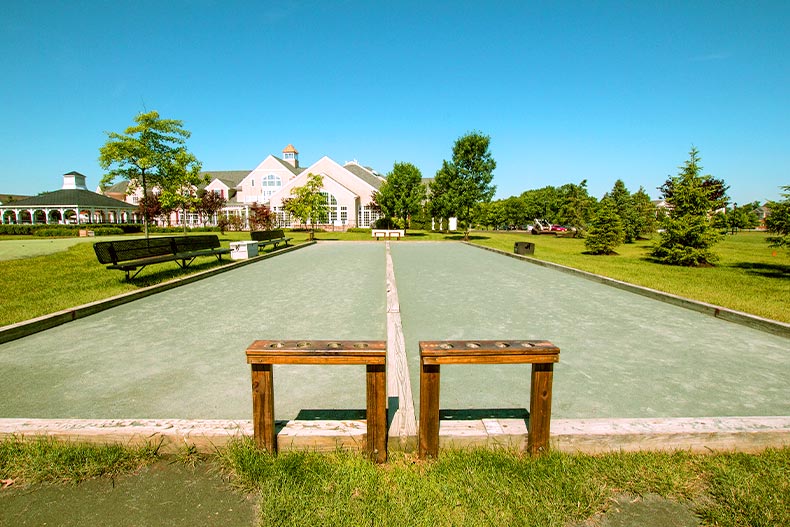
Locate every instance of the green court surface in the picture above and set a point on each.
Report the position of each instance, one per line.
(622, 354)
(180, 353)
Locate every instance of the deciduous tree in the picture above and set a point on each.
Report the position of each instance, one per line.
(307, 203)
(262, 218)
(465, 181)
(737, 218)
(179, 178)
(142, 152)
(210, 204)
(401, 195)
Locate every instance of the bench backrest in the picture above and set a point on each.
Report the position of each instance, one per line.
(127, 250)
(262, 236)
(185, 244)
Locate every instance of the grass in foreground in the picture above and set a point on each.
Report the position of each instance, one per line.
(462, 487)
(483, 487)
(44, 460)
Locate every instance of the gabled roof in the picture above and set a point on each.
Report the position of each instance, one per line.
(71, 198)
(119, 187)
(295, 170)
(231, 178)
(363, 173)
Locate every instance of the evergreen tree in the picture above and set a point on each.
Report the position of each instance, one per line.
(606, 230)
(644, 213)
(778, 222)
(688, 236)
(624, 206)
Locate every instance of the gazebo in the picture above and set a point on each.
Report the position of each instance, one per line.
(73, 204)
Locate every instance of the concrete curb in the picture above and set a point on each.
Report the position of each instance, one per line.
(730, 315)
(590, 436)
(29, 327)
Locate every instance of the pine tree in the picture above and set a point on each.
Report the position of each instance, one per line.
(644, 213)
(778, 222)
(688, 236)
(624, 206)
(606, 230)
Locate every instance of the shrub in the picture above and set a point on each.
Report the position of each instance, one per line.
(107, 231)
(388, 223)
(56, 231)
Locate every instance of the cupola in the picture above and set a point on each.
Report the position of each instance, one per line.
(291, 156)
(74, 181)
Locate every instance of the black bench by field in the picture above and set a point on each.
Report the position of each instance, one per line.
(274, 237)
(136, 254)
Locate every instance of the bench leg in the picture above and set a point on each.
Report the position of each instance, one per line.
(540, 408)
(263, 407)
(377, 412)
(429, 410)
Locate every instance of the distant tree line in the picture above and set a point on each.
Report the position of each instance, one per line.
(152, 155)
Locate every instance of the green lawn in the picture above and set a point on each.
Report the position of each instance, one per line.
(750, 277)
(469, 487)
(43, 284)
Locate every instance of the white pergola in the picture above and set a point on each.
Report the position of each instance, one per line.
(73, 203)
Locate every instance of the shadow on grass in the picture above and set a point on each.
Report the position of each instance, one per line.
(158, 274)
(461, 237)
(766, 270)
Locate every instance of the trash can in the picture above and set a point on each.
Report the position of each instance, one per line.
(524, 248)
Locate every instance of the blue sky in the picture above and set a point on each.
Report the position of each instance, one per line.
(567, 90)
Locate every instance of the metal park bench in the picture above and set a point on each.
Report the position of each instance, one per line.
(541, 354)
(265, 238)
(388, 233)
(263, 354)
(136, 254)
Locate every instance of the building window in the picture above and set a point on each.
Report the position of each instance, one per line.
(367, 216)
(344, 215)
(283, 218)
(331, 210)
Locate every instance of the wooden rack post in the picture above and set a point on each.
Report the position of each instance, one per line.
(263, 354)
(541, 354)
